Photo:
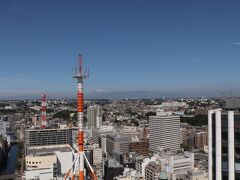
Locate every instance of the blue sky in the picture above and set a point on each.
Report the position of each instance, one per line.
(157, 45)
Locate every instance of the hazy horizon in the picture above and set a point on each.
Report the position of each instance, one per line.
(119, 95)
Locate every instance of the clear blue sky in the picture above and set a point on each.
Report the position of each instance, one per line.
(129, 45)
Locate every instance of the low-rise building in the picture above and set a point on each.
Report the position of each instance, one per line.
(45, 137)
(200, 140)
(173, 165)
(40, 174)
(97, 155)
(141, 147)
(56, 157)
(152, 171)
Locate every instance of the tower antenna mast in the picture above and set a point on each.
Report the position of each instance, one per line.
(80, 76)
(44, 111)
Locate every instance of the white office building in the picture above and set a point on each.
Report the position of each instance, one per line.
(223, 146)
(164, 131)
(175, 166)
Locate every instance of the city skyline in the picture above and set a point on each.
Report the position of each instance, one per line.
(160, 48)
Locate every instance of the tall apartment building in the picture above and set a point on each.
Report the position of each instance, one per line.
(45, 137)
(164, 131)
(94, 116)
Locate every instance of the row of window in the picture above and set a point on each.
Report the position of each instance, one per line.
(29, 162)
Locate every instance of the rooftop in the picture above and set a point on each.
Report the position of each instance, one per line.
(44, 150)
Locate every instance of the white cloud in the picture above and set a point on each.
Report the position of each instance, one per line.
(195, 60)
(99, 90)
(18, 91)
(237, 43)
(4, 79)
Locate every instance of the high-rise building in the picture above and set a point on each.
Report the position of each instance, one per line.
(164, 131)
(90, 116)
(94, 116)
(223, 145)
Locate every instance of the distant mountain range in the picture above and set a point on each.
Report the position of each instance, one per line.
(110, 95)
(146, 95)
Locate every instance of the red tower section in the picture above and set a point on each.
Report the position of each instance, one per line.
(44, 111)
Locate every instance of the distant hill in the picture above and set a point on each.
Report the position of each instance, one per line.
(109, 95)
(144, 95)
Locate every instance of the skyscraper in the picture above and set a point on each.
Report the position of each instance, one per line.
(164, 131)
(224, 145)
(94, 116)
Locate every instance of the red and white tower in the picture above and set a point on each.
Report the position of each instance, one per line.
(80, 75)
(44, 109)
(81, 158)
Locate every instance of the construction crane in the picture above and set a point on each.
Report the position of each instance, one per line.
(81, 157)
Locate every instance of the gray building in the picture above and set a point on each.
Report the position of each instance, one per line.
(45, 137)
(117, 144)
(4, 128)
(100, 135)
(232, 103)
(94, 116)
(164, 131)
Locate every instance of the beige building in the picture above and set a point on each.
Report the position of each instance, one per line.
(44, 156)
(37, 162)
(200, 140)
(196, 174)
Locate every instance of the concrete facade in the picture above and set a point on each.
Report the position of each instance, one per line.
(164, 132)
